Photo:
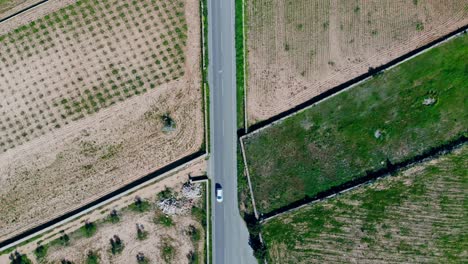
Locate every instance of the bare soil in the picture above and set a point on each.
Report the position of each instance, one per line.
(299, 49)
(8, 7)
(51, 167)
(126, 229)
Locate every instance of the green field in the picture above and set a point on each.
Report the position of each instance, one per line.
(392, 117)
(417, 216)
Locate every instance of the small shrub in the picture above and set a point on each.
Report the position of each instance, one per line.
(117, 245)
(18, 258)
(92, 258)
(89, 229)
(64, 240)
(194, 233)
(167, 252)
(164, 220)
(167, 193)
(192, 257)
(65, 261)
(168, 122)
(141, 233)
(140, 205)
(419, 26)
(199, 214)
(141, 259)
(114, 216)
(40, 252)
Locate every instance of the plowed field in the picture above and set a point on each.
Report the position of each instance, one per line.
(93, 94)
(298, 49)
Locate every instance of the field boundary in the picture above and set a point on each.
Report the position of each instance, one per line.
(370, 178)
(244, 50)
(349, 84)
(246, 170)
(103, 199)
(206, 181)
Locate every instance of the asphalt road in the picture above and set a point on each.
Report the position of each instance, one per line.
(230, 235)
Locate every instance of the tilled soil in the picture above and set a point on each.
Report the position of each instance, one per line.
(58, 168)
(299, 49)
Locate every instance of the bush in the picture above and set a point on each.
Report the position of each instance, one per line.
(114, 217)
(89, 229)
(92, 258)
(166, 194)
(117, 245)
(141, 259)
(64, 240)
(141, 233)
(17, 258)
(194, 233)
(167, 252)
(192, 257)
(140, 205)
(40, 252)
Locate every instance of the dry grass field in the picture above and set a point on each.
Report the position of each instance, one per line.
(93, 94)
(418, 216)
(165, 239)
(298, 49)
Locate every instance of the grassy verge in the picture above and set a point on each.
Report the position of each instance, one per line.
(389, 119)
(243, 192)
(240, 63)
(391, 220)
(208, 250)
(9, 250)
(204, 67)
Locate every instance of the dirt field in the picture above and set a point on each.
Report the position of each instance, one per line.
(299, 49)
(158, 234)
(84, 91)
(418, 216)
(8, 7)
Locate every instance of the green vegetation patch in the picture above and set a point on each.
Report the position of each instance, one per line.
(403, 112)
(419, 215)
(240, 63)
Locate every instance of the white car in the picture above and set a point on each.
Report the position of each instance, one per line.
(219, 193)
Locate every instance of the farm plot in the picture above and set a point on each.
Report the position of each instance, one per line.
(92, 96)
(403, 112)
(298, 49)
(417, 216)
(140, 223)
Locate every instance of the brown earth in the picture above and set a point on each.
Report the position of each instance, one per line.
(8, 7)
(65, 154)
(126, 227)
(299, 49)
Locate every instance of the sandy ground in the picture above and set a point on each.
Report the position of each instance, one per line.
(57, 169)
(126, 227)
(299, 49)
(12, 6)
